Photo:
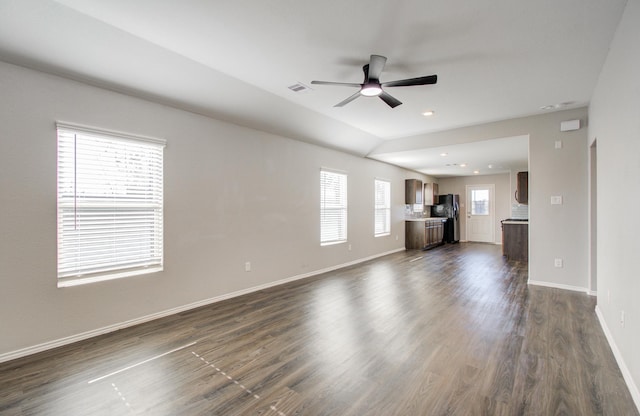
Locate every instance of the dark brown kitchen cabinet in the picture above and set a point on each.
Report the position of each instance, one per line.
(413, 191)
(413, 235)
(423, 234)
(433, 233)
(515, 241)
(522, 188)
(430, 194)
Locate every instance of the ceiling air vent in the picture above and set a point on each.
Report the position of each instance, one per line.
(299, 87)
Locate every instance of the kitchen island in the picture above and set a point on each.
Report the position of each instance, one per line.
(515, 239)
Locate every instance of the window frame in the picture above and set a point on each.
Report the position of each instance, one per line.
(129, 189)
(340, 207)
(385, 207)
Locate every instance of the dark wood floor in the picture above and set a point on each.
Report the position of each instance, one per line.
(452, 331)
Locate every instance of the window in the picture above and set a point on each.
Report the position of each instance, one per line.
(382, 208)
(109, 205)
(333, 207)
(480, 202)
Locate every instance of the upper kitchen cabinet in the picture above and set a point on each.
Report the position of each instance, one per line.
(522, 189)
(430, 194)
(413, 191)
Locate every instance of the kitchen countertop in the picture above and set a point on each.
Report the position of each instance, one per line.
(512, 221)
(426, 219)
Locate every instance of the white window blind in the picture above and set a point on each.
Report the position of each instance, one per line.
(382, 221)
(110, 198)
(333, 207)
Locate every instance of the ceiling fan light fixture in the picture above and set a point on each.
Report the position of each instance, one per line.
(371, 90)
(372, 87)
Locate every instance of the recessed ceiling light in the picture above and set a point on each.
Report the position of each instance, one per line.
(428, 113)
(444, 154)
(475, 172)
(557, 106)
(490, 166)
(463, 165)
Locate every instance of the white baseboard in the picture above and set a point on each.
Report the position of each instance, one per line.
(558, 286)
(12, 355)
(626, 374)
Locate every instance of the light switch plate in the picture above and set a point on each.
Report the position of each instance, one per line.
(556, 200)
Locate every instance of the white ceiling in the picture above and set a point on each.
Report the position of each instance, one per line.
(487, 157)
(234, 59)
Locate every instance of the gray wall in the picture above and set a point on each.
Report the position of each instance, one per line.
(502, 199)
(614, 122)
(232, 195)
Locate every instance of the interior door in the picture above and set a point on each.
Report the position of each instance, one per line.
(480, 213)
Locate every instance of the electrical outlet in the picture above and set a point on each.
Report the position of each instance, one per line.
(349, 247)
(558, 144)
(247, 266)
(557, 263)
(396, 237)
(622, 319)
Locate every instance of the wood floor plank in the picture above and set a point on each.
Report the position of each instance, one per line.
(452, 331)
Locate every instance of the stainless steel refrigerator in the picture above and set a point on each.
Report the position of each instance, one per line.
(449, 207)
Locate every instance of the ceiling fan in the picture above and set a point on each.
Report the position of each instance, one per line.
(372, 87)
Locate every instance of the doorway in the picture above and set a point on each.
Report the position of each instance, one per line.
(480, 225)
(593, 219)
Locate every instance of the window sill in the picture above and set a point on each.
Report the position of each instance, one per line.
(332, 243)
(77, 281)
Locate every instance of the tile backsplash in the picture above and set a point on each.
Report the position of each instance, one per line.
(415, 211)
(520, 212)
